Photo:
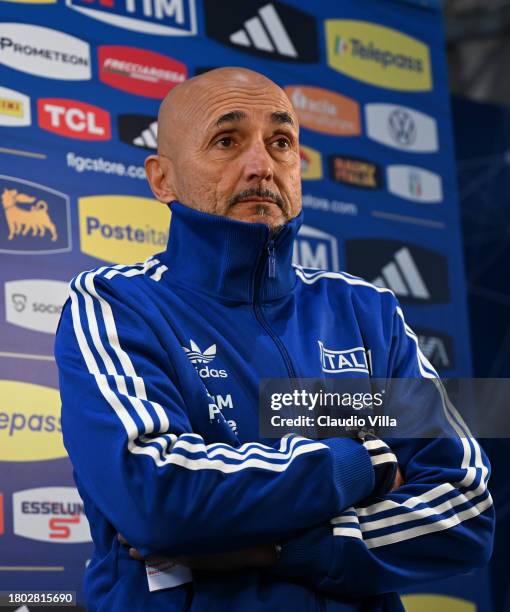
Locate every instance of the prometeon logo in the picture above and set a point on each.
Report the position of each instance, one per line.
(138, 71)
(415, 184)
(401, 128)
(311, 163)
(325, 111)
(44, 52)
(122, 229)
(163, 17)
(14, 108)
(34, 219)
(314, 248)
(266, 29)
(355, 172)
(74, 119)
(139, 131)
(416, 275)
(378, 55)
(50, 514)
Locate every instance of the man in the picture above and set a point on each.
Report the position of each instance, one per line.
(159, 368)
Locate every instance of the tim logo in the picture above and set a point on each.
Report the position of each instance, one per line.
(348, 360)
(163, 17)
(34, 218)
(314, 248)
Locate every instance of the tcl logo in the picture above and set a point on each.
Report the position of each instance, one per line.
(74, 119)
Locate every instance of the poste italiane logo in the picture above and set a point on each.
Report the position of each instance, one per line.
(122, 229)
(30, 422)
(378, 55)
(311, 163)
(325, 111)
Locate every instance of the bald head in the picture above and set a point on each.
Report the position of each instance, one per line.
(185, 103)
(228, 145)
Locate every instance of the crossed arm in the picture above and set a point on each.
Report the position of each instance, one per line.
(171, 494)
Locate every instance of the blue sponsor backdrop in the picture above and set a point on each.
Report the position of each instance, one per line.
(77, 117)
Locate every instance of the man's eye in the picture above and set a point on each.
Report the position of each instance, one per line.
(283, 143)
(225, 142)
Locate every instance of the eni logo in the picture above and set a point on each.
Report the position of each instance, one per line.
(29, 422)
(378, 55)
(20, 220)
(34, 218)
(122, 229)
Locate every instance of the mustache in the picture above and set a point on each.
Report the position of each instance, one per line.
(260, 193)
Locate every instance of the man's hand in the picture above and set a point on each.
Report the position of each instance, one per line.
(256, 556)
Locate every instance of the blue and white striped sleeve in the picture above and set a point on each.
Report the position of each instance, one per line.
(129, 434)
(439, 523)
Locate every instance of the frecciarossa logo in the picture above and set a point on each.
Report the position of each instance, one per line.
(73, 119)
(139, 71)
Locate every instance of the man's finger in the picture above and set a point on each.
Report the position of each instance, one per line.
(134, 554)
(399, 480)
(122, 539)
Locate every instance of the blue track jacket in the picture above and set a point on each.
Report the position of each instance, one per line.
(159, 376)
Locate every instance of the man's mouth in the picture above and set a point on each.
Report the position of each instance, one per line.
(258, 199)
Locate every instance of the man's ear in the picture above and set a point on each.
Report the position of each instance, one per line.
(159, 171)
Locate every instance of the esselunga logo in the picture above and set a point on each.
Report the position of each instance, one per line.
(325, 111)
(50, 514)
(378, 55)
(311, 163)
(14, 108)
(122, 229)
(29, 422)
(35, 304)
(139, 71)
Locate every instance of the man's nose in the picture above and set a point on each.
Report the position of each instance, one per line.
(257, 163)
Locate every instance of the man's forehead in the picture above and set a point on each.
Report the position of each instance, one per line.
(237, 116)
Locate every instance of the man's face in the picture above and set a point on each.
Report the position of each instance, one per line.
(238, 154)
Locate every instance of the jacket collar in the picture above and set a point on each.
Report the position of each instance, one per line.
(229, 258)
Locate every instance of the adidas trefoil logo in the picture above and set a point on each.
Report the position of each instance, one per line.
(195, 355)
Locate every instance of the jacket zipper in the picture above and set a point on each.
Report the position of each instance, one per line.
(270, 257)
